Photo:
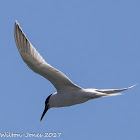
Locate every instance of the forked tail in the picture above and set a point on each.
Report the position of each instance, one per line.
(112, 92)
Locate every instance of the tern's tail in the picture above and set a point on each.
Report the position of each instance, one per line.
(114, 94)
(111, 92)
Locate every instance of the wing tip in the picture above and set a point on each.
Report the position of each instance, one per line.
(18, 29)
(16, 23)
(17, 26)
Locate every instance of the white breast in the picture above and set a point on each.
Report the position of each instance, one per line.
(68, 99)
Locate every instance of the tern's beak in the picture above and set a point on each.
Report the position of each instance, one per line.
(45, 110)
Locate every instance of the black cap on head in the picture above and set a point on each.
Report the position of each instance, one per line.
(47, 100)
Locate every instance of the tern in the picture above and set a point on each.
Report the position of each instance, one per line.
(68, 93)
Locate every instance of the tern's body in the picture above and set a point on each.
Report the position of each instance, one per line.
(70, 98)
(74, 96)
(68, 93)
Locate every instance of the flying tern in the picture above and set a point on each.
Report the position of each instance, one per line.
(68, 93)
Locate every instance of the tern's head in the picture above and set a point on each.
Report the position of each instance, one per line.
(47, 106)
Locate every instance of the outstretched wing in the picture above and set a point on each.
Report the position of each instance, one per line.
(35, 62)
(110, 91)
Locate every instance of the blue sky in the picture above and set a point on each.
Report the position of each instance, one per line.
(96, 43)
